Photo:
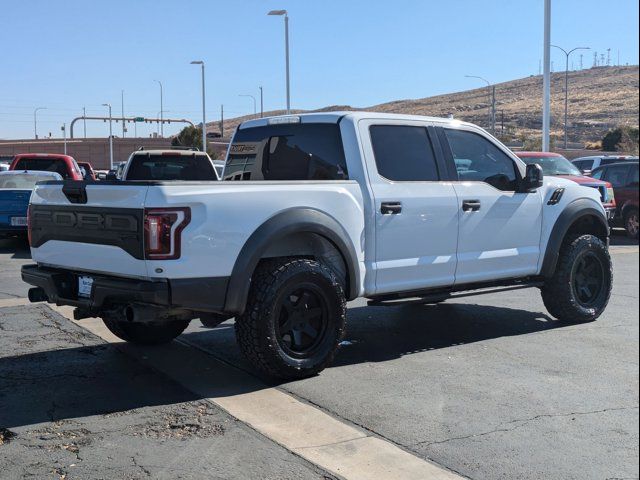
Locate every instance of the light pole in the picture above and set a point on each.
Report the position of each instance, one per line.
(261, 102)
(35, 121)
(84, 121)
(110, 136)
(254, 102)
(566, 86)
(161, 110)
(286, 42)
(204, 124)
(492, 101)
(64, 133)
(546, 79)
(122, 112)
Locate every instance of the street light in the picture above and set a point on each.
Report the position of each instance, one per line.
(35, 121)
(261, 102)
(161, 110)
(204, 124)
(254, 102)
(546, 78)
(286, 42)
(492, 100)
(566, 86)
(110, 136)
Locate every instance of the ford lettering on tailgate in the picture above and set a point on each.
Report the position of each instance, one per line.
(118, 227)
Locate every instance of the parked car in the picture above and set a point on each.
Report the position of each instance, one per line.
(15, 191)
(64, 165)
(325, 208)
(87, 171)
(624, 178)
(588, 164)
(170, 164)
(4, 167)
(554, 164)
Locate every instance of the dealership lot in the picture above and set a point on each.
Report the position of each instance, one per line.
(487, 387)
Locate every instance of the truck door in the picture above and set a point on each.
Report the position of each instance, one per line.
(500, 228)
(416, 213)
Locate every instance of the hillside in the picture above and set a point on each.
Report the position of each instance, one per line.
(600, 98)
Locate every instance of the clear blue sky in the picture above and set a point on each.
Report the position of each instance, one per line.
(73, 53)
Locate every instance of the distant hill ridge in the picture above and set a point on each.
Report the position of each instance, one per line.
(600, 98)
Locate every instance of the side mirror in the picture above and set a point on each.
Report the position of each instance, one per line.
(533, 178)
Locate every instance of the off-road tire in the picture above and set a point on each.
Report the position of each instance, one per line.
(560, 294)
(631, 223)
(146, 333)
(258, 328)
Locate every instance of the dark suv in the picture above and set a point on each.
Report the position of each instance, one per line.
(624, 178)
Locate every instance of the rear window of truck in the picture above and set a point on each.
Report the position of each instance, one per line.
(170, 167)
(44, 165)
(308, 151)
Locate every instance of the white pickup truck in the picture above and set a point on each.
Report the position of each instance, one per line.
(316, 210)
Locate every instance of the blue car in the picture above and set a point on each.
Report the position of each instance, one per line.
(15, 191)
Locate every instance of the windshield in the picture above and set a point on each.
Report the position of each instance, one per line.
(44, 164)
(22, 181)
(554, 165)
(171, 167)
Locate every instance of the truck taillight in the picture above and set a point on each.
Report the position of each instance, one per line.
(29, 224)
(163, 231)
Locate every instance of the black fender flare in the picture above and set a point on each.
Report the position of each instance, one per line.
(296, 220)
(571, 214)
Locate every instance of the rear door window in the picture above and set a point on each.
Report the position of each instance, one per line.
(44, 165)
(170, 167)
(617, 175)
(403, 153)
(311, 151)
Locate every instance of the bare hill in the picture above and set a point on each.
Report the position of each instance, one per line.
(600, 98)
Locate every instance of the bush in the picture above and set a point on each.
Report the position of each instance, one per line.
(621, 139)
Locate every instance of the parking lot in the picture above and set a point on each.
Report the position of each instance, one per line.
(486, 387)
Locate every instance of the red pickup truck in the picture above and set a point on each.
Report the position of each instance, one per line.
(65, 165)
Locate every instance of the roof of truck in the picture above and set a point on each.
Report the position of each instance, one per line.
(334, 117)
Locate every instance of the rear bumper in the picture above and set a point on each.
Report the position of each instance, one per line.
(61, 287)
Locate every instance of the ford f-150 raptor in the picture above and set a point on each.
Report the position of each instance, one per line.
(313, 211)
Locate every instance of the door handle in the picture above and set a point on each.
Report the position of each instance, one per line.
(391, 208)
(471, 205)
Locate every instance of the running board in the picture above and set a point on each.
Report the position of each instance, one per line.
(442, 296)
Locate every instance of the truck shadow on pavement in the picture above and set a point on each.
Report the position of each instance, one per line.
(51, 370)
(18, 248)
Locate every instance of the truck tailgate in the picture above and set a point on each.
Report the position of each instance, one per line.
(103, 234)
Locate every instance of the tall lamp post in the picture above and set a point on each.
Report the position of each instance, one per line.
(161, 110)
(204, 122)
(566, 86)
(546, 77)
(492, 101)
(255, 112)
(35, 121)
(261, 102)
(110, 136)
(286, 42)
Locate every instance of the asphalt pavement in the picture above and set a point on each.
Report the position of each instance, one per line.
(489, 387)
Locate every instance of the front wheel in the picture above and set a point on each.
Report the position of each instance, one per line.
(631, 223)
(294, 319)
(580, 288)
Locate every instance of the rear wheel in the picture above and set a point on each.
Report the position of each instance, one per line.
(631, 223)
(580, 288)
(155, 333)
(294, 320)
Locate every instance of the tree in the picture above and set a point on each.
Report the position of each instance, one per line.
(189, 136)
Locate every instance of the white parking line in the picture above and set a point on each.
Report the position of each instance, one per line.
(331, 444)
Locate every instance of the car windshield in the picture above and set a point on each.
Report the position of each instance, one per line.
(171, 167)
(22, 181)
(554, 165)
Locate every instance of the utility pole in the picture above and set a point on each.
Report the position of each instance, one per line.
(221, 121)
(581, 55)
(286, 42)
(204, 122)
(161, 110)
(84, 121)
(566, 86)
(122, 105)
(595, 59)
(261, 102)
(110, 136)
(546, 88)
(254, 102)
